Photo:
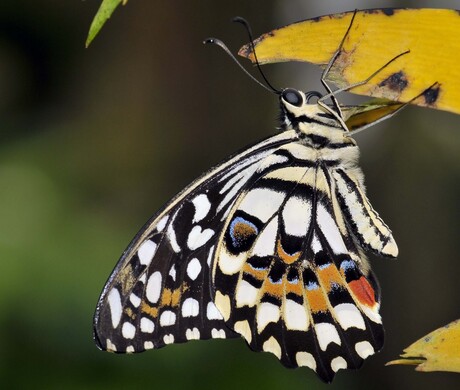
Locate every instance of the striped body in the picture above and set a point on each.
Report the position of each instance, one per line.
(268, 245)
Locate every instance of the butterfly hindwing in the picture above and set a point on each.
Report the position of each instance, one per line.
(289, 276)
(160, 290)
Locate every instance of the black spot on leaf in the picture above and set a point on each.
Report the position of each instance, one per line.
(371, 11)
(385, 11)
(432, 94)
(388, 11)
(396, 82)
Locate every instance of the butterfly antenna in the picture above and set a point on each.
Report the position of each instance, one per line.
(245, 23)
(221, 44)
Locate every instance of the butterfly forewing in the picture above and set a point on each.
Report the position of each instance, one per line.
(160, 291)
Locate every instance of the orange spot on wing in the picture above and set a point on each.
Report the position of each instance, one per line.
(258, 274)
(363, 291)
(274, 289)
(130, 313)
(295, 288)
(317, 300)
(242, 231)
(146, 308)
(172, 297)
(330, 276)
(287, 258)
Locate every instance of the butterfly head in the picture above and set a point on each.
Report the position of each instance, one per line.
(300, 111)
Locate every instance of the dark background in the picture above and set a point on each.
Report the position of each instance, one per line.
(93, 142)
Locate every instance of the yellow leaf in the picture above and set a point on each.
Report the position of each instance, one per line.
(369, 113)
(376, 36)
(438, 351)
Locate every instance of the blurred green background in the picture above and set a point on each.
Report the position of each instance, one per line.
(93, 142)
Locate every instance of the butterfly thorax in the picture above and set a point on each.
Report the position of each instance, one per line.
(319, 131)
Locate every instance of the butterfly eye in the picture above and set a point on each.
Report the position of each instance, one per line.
(292, 97)
(312, 95)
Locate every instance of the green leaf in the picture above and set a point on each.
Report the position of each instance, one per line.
(103, 14)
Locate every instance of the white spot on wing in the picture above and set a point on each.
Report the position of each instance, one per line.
(222, 302)
(190, 308)
(146, 252)
(167, 318)
(266, 313)
(198, 237)
(162, 223)
(171, 234)
(330, 230)
(129, 349)
(315, 244)
(372, 313)
(202, 207)
(261, 203)
(110, 346)
(265, 242)
(212, 313)
(210, 255)
(391, 248)
(153, 290)
(364, 349)
(193, 268)
(128, 330)
(192, 334)
(246, 294)
(230, 264)
(295, 316)
(305, 359)
(296, 216)
(349, 316)
(114, 300)
(326, 334)
(148, 345)
(172, 272)
(168, 339)
(271, 345)
(135, 300)
(218, 333)
(242, 327)
(338, 363)
(147, 325)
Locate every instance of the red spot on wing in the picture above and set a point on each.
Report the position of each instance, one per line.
(363, 291)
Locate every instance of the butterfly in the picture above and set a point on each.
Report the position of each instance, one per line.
(269, 245)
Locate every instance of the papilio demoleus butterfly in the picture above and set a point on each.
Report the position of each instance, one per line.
(268, 245)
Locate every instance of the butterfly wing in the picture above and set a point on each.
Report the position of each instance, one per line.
(290, 277)
(160, 291)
